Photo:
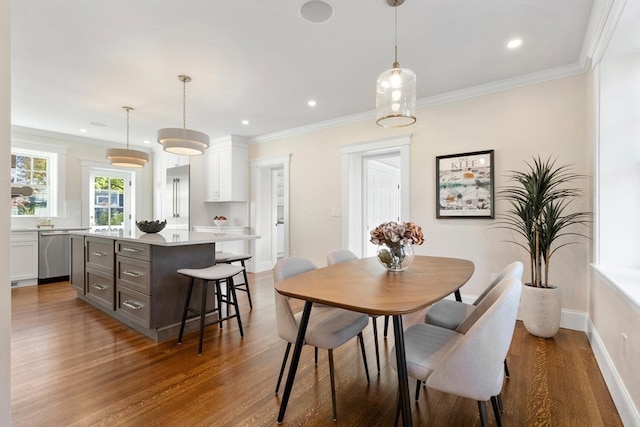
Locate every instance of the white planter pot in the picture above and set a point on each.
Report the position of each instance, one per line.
(541, 310)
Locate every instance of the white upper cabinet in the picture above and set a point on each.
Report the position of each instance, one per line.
(226, 170)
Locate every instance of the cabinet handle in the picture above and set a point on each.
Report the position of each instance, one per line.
(132, 305)
(98, 253)
(125, 249)
(99, 287)
(131, 273)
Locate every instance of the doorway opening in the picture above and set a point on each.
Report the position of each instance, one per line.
(375, 189)
(270, 219)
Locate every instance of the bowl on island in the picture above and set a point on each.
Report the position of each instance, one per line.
(151, 226)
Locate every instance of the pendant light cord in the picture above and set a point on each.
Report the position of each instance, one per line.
(395, 62)
(128, 109)
(184, 103)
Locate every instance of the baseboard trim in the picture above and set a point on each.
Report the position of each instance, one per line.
(575, 320)
(628, 412)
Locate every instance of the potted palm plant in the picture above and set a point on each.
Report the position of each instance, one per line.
(539, 200)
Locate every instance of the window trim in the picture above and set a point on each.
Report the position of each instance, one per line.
(55, 177)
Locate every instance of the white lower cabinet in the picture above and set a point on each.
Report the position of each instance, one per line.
(24, 258)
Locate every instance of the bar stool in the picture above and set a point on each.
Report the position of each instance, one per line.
(228, 258)
(216, 273)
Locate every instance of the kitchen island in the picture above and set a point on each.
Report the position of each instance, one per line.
(133, 278)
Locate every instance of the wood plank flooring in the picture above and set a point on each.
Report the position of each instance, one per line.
(74, 366)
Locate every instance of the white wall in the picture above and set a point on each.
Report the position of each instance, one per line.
(543, 119)
(5, 166)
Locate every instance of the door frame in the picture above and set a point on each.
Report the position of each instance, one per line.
(353, 181)
(261, 210)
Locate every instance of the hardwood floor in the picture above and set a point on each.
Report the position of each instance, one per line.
(74, 366)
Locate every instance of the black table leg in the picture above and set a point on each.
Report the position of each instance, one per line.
(403, 381)
(458, 296)
(302, 330)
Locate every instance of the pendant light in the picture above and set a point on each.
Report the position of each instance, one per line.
(126, 157)
(182, 140)
(396, 89)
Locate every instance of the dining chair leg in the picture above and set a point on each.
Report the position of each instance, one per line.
(496, 410)
(284, 363)
(386, 325)
(315, 352)
(333, 386)
(484, 419)
(364, 356)
(499, 399)
(375, 341)
(506, 369)
(418, 384)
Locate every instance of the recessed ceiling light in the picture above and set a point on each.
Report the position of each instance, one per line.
(514, 44)
(245, 122)
(147, 142)
(83, 130)
(316, 11)
(311, 103)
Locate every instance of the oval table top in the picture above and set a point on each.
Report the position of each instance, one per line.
(364, 285)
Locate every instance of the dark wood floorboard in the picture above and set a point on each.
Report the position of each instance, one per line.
(72, 365)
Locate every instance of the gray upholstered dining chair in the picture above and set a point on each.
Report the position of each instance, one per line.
(343, 255)
(328, 328)
(467, 361)
(450, 314)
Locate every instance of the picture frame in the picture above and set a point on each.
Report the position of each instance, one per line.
(465, 185)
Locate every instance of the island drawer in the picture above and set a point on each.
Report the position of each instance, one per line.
(100, 254)
(133, 250)
(100, 288)
(133, 274)
(134, 306)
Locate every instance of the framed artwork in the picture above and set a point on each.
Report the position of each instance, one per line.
(465, 185)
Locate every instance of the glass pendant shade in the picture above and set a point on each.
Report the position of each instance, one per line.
(396, 97)
(127, 158)
(183, 141)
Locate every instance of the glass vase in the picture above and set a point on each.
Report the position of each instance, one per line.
(395, 257)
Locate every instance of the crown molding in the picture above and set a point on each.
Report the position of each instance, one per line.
(27, 134)
(525, 80)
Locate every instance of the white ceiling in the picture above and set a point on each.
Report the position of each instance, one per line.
(78, 62)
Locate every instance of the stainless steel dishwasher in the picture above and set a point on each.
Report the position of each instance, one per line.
(53, 256)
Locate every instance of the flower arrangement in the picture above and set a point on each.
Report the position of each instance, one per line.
(395, 240)
(397, 234)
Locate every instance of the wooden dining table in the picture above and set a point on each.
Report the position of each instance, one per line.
(365, 286)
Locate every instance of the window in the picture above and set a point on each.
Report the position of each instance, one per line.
(109, 197)
(38, 171)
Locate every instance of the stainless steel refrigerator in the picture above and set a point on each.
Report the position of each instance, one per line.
(177, 198)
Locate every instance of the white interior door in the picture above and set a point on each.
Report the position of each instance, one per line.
(381, 189)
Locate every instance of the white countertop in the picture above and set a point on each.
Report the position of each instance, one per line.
(61, 228)
(170, 237)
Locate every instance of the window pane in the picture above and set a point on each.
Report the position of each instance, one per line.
(39, 178)
(39, 164)
(117, 216)
(101, 216)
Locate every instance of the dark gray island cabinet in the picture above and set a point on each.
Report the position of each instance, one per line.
(135, 279)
